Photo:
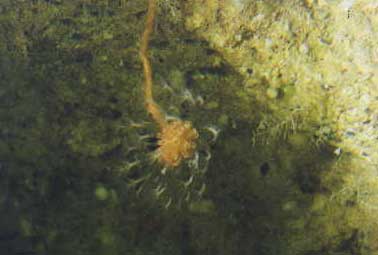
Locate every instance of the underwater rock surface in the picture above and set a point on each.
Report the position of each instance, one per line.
(313, 64)
(317, 59)
(283, 96)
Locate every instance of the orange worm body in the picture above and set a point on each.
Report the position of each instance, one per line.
(151, 106)
(177, 139)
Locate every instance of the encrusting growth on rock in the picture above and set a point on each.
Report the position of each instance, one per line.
(177, 139)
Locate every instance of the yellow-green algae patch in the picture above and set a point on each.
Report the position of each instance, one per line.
(311, 67)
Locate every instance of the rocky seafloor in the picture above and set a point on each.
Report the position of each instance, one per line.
(283, 94)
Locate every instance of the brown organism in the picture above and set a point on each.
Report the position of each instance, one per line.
(177, 139)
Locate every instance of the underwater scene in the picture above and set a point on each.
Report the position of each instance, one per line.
(188, 127)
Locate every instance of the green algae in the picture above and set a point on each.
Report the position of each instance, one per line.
(72, 86)
(295, 59)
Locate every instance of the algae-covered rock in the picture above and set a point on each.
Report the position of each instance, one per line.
(73, 127)
(282, 94)
(312, 67)
(324, 51)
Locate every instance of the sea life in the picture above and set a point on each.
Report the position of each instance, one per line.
(176, 142)
(179, 154)
(176, 139)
